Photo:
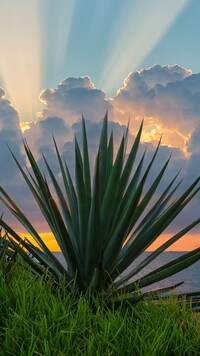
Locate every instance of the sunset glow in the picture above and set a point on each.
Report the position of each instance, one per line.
(186, 243)
(47, 237)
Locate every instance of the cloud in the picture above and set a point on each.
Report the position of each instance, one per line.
(41, 132)
(193, 144)
(64, 106)
(9, 118)
(167, 96)
(169, 99)
(152, 92)
(10, 136)
(139, 86)
(72, 97)
(2, 93)
(158, 75)
(53, 124)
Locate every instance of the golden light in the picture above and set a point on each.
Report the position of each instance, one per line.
(171, 138)
(154, 129)
(20, 60)
(187, 243)
(47, 237)
(24, 125)
(151, 132)
(32, 49)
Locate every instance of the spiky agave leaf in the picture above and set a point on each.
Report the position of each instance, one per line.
(97, 223)
(7, 254)
(3, 247)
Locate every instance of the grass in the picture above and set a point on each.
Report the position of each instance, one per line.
(36, 319)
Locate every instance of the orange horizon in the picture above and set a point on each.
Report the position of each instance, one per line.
(186, 243)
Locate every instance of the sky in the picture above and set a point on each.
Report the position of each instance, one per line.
(135, 58)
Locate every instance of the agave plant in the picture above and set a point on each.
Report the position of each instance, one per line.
(102, 223)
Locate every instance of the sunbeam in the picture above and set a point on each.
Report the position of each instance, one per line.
(20, 60)
(33, 50)
(140, 27)
(56, 22)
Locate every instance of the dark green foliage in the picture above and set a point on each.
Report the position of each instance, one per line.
(37, 319)
(101, 223)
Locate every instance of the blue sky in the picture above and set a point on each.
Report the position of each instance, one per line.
(180, 44)
(135, 58)
(98, 30)
(104, 39)
(102, 29)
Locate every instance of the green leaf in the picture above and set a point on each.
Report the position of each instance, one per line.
(102, 152)
(83, 209)
(101, 227)
(3, 248)
(109, 199)
(170, 268)
(86, 165)
(157, 252)
(69, 188)
(93, 256)
(129, 164)
(66, 213)
(109, 165)
(64, 239)
(37, 238)
(145, 238)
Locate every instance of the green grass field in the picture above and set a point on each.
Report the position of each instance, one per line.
(36, 319)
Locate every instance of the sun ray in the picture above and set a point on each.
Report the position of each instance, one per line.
(56, 21)
(140, 28)
(20, 60)
(34, 44)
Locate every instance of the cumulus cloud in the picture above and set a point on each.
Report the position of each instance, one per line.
(166, 96)
(194, 141)
(40, 133)
(72, 97)
(10, 135)
(169, 99)
(9, 118)
(158, 75)
(2, 93)
(64, 106)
